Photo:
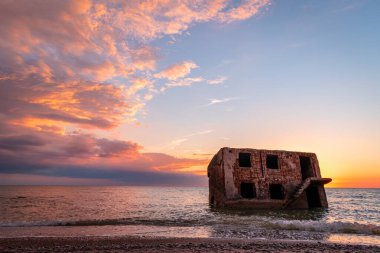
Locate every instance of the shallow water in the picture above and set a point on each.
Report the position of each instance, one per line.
(353, 215)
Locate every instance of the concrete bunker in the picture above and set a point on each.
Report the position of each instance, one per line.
(255, 178)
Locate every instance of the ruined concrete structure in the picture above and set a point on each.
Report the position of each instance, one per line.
(253, 178)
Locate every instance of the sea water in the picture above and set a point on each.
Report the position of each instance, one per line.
(353, 215)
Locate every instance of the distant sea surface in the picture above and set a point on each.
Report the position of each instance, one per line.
(353, 215)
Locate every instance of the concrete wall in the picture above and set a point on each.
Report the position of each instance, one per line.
(216, 181)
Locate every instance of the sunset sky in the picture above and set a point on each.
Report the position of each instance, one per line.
(145, 92)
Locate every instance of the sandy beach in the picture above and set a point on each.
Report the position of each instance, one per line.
(149, 244)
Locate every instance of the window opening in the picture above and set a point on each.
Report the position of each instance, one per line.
(245, 160)
(276, 191)
(248, 190)
(272, 162)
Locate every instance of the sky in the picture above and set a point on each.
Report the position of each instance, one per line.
(145, 92)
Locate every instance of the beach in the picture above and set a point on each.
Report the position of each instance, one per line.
(152, 244)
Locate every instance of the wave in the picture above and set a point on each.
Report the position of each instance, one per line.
(300, 225)
(331, 227)
(104, 222)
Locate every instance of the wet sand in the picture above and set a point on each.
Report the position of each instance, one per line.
(149, 244)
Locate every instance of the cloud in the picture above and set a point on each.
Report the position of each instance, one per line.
(177, 142)
(87, 156)
(42, 146)
(140, 84)
(200, 133)
(189, 81)
(183, 82)
(71, 68)
(214, 101)
(69, 59)
(33, 103)
(144, 58)
(176, 71)
(243, 11)
(21, 142)
(174, 143)
(218, 80)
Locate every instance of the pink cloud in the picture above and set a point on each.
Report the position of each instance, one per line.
(144, 58)
(89, 65)
(218, 80)
(182, 82)
(245, 10)
(177, 70)
(70, 103)
(84, 156)
(67, 44)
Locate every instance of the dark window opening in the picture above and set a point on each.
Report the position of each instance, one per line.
(244, 160)
(313, 198)
(276, 191)
(306, 168)
(248, 190)
(272, 162)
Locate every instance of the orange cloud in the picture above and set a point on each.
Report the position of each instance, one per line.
(139, 84)
(85, 156)
(150, 19)
(243, 11)
(90, 44)
(69, 67)
(144, 58)
(177, 70)
(82, 104)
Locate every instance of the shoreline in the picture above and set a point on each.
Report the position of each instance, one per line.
(170, 244)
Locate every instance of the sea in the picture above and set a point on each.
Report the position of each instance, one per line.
(353, 215)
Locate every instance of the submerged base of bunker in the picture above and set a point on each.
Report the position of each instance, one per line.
(254, 178)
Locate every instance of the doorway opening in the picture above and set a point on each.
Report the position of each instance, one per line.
(306, 168)
(313, 199)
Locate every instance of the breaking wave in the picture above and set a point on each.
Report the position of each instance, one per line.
(330, 227)
(299, 225)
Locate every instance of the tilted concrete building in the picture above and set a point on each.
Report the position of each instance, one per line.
(253, 178)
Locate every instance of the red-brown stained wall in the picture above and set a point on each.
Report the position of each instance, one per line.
(225, 175)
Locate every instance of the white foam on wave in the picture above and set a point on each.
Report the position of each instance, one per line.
(320, 226)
